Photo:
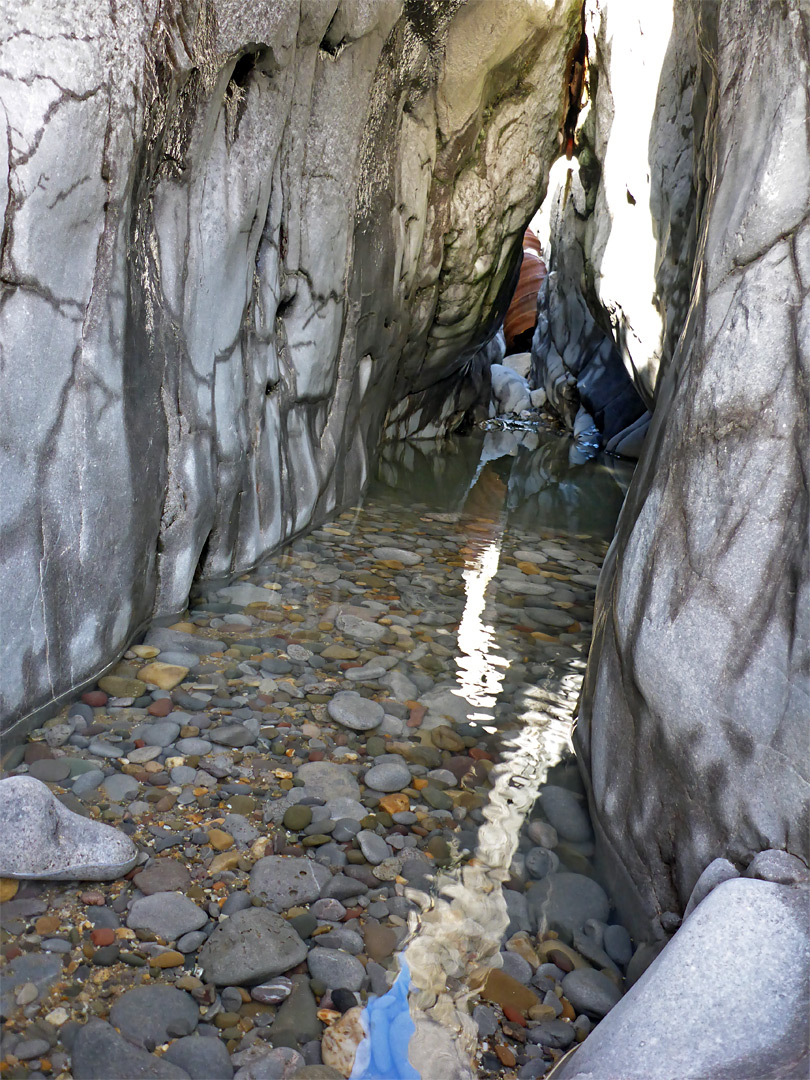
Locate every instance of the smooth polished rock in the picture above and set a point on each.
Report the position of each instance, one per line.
(164, 875)
(249, 947)
(41, 838)
(167, 914)
(566, 813)
(202, 1058)
(390, 773)
(351, 710)
(591, 992)
(564, 902)
(336, 970)
(330, 781)
(40, 970)
(711, 977)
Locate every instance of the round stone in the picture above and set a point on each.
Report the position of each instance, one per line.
(164, 875)
(336, 970)
(540, 862)
(389, 774)
(50, 771)
(297, 818)
(565, 812)
(121, 788)
(591, 992)
(169, 915)
(331, 782)
(351, 710)
(249, 947)
(564, 902)
(146, 1015)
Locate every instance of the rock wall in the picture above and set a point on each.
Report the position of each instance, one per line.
(235, 235)
(693, 723)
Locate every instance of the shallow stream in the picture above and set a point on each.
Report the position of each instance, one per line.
(386, 703)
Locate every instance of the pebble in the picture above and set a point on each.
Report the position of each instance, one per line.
(202, 1059)
(100, 1053)
(591, 992)
(282, 882)
(169, 915)
(330, 782)
(351, 710)
(374, 848)
(389, 774)
(565, 812)
(120, 788)
(563, 902)
(335, 969)
(149, 1015)
(52, 772)
(250, 947)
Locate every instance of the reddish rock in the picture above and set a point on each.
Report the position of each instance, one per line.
(514, 1016)
(161, 707)
(37, 752)
(102, 935)
(92, 898)
(95, 698)
(480, 755)
(316, 755)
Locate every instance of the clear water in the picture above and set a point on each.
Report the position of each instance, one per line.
(517, 525)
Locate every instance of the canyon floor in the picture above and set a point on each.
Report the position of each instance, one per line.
(320, 764)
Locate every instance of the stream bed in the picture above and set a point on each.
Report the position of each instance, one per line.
(351, 763)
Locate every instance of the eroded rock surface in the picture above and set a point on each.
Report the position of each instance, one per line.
(693, 721)
(235, 237)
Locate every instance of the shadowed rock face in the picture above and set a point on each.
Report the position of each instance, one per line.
(235, 236)
(693, 723)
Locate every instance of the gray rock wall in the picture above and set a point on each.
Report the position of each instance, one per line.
(693, 723)
(235, 235)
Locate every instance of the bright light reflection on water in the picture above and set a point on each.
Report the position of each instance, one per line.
(457, 939)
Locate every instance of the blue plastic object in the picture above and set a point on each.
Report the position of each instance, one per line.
(383, 1054)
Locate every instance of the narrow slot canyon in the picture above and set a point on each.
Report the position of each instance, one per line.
(405, 551)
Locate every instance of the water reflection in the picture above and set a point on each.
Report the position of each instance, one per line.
(548, 482)
(500, 492)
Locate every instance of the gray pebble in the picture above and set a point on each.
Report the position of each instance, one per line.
(591, 992)
(374, 848)
(167, 914)
(351, 710)
(389, 774)
(337, 970)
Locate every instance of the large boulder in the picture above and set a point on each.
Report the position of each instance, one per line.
(727, 998)
(693, 722)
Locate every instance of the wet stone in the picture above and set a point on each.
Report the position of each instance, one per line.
(100, 1053)
(337, 970)
(201, 1058)
(351, 710)
(149, 1015)
(388, 775)
(169, 915)
(250, 947)
(282, 882)
(50, 771)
